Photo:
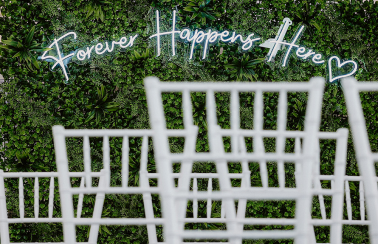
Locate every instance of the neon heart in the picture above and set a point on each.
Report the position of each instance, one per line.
(339, 65)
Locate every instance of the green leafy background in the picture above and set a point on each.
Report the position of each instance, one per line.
(108, 92)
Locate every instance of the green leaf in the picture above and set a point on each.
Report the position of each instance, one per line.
(10, 43)
(312, 22)
(106, 229)
(34, 61)
(29, 37)
(189, 9)
(16, 55)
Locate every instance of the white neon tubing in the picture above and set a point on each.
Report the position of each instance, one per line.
(122, 41)
(234, 38)
(279, 38)
(107, 46)
(316, 58)
(193, 40)
(200, 36)
(158, 33)
(249, 42)
(81, 55)
(211, 37)
(229, 39)
(60, 59)
(98, 47)
(308, 54)
(339, 65)
(89, 50)
(131, 40)
(224, 34)
(187, 35)
(291, 46)
(206, 43)
(214, 36)
(300, 51)
(173, 33)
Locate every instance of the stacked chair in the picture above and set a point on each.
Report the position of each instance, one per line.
(176, 189)
(305, 159)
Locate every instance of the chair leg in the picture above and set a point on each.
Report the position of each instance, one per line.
(100, 198)
(4, 226)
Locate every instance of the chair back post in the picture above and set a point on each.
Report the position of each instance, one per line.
(69, 229)
(338, 186)
(164, 167)
(147, 198)
(363, 150)
(97, 211)
(4, 226)
(310, 141)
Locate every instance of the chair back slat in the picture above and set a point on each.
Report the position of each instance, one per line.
(36, 197)
(21, 197)
(51, 197)
(4, 224)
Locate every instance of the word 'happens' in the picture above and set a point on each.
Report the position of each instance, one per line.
(204, 38)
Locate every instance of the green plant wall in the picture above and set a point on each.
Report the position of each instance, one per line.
(108, 92)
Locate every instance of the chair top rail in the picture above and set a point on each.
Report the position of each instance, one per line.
(277, 133)
(45, 174)
(105, 132)
(360, 85)
(333, 135)
(239, 87)
(172, 132)
(252, 193)
(251, 157)
(367, 85)
(256, 234)
(345, 177)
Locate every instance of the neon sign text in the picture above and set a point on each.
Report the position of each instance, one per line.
(200, 37)
(204, 38)
(60, 60)
(99, 48)
(301, 52)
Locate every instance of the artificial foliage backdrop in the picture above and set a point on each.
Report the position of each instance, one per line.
(108, 92)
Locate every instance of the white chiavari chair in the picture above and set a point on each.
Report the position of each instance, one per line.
(335, 218)
(175, 198)
(366, 159)
(66, 191)
(22, 176)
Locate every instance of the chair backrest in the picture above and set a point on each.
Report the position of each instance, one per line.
(336, 190)
(104, 187)
(176, 198)
(365, 157)
(5, 220)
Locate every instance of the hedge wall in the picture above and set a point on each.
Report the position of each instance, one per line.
(108, 92)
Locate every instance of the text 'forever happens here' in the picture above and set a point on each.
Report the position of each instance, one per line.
(204, 38)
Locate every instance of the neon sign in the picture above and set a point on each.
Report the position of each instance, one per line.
(59, 60)
(204, 38)
(301, 52)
